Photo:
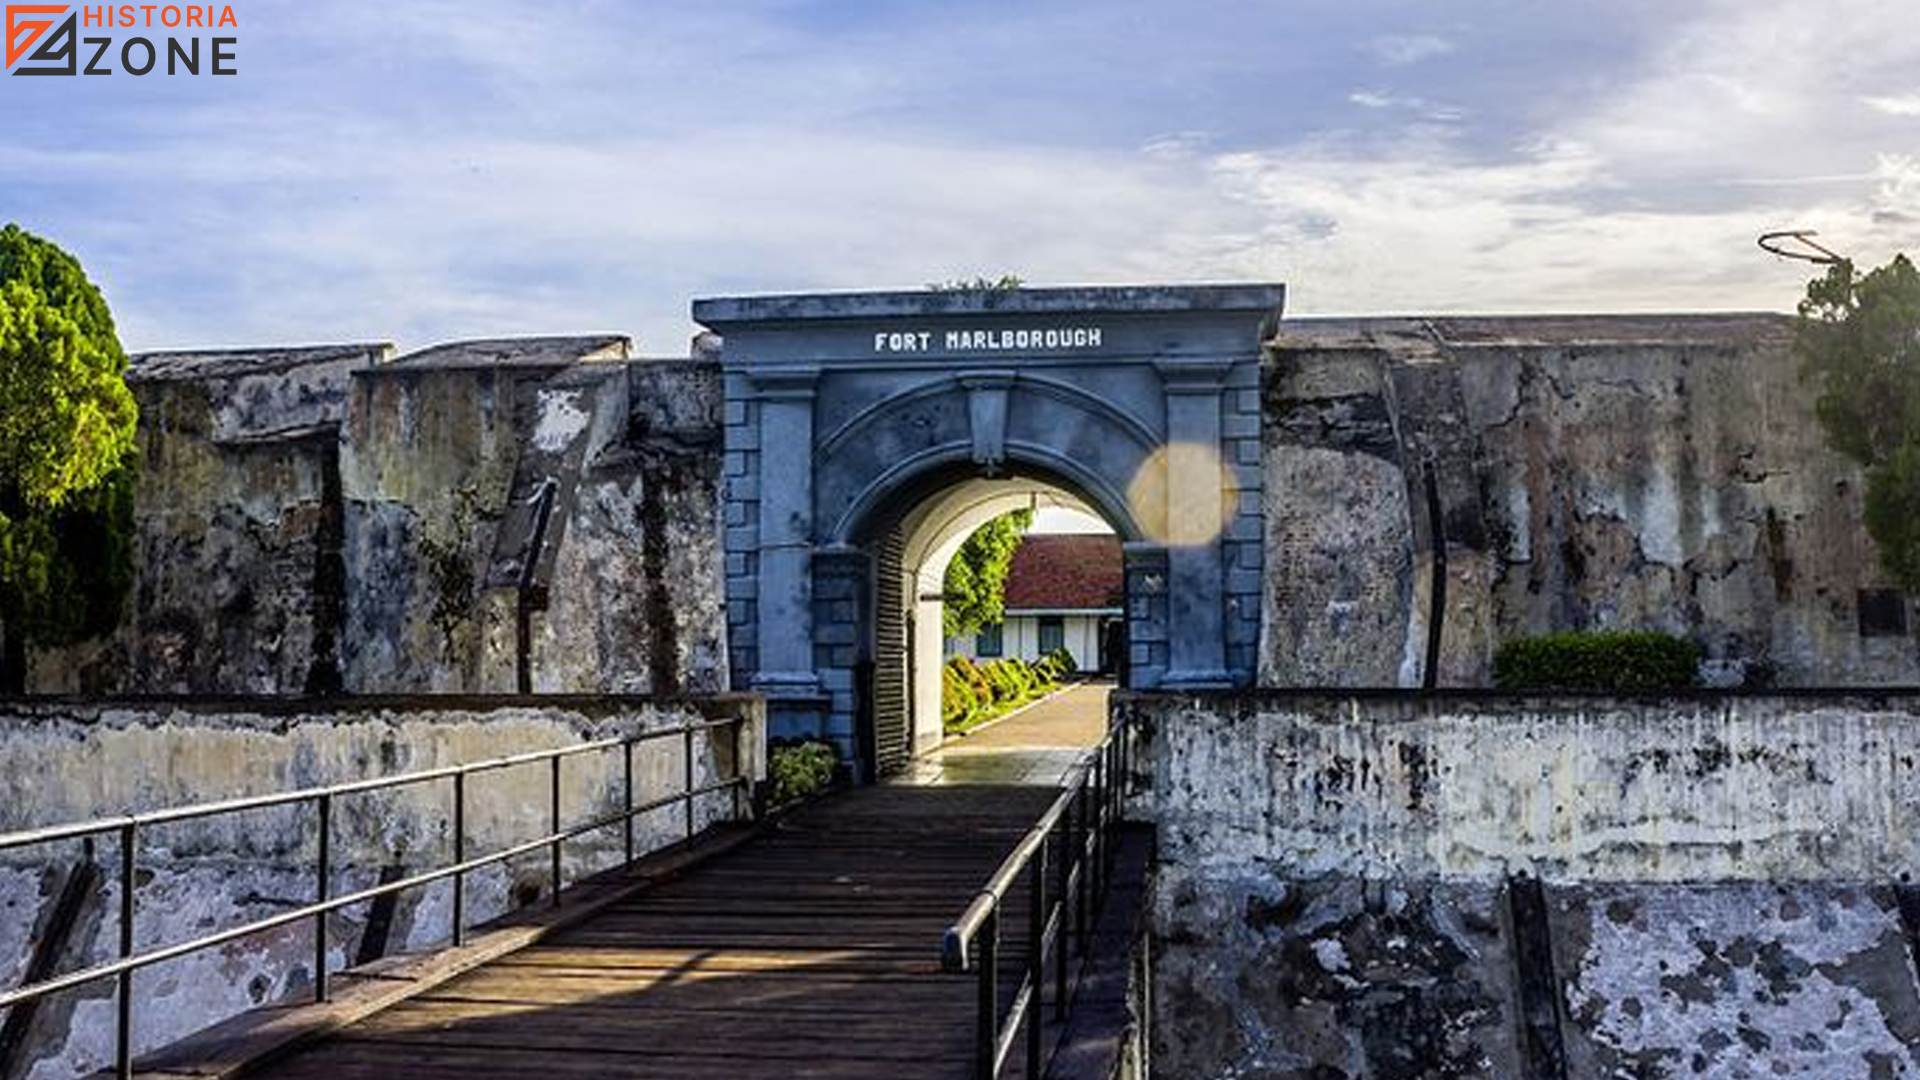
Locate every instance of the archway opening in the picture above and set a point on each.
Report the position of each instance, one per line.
(908, 644)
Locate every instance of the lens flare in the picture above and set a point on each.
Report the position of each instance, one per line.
(1183, 495)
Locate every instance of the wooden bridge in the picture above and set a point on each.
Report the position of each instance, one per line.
(809, 946)
(813, 951)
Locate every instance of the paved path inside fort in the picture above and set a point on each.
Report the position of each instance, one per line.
(812, 951)
(1035, 746)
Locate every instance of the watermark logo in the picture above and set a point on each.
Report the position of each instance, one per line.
(51, 39)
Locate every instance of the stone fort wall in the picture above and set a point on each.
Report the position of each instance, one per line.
(483, 518)
(547, 513)
(1593, 472)
(1407, 885)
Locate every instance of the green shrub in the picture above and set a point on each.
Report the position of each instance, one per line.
(1005, 681)
(1056, 666)
(973, 693)
(799, 770)
(958, 698)
(975, 677)
(1636, 661)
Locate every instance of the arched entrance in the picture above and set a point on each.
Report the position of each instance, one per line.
(863, 431)
(909, 543)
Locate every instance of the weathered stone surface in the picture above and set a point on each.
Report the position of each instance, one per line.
(317, 520)
(587, 493)
(427, 463)
(635, 601)
(1259, 977)
(1644, 472)
(1475, 787)
(1346, 599)
(237, 510)
(1336, 892)
(70, 762)
(1736, 980)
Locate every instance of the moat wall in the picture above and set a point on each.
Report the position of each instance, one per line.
(73, 762)
(1394, 886)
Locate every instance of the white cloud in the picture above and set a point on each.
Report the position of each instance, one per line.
(1429, 111)
(620, 235)
(1178, 145)
(1894, 104)
(1401, 50)
(1648, 200)
(565, 198)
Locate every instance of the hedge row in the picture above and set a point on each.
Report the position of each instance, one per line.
(972, 693)
(1638, 661)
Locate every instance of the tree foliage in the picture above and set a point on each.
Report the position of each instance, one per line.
(66, 452)
(976, 586)
(1858, 340)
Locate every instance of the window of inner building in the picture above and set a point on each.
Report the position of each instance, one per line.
(990, 642)
(1053, 634)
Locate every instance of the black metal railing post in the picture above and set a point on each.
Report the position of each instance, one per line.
(459, 858)
(1036, 956)
(553, 830)
(739, 768)
(1099, 829)
(687, 760)
(1082, 844)
(626, 755)
(987, 1035)
(1063, 876)
(123, 1031)
(322, 888)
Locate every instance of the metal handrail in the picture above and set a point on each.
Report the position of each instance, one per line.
(1074, 839)
(129, 826)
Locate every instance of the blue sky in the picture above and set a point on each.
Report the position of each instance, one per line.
(433, 170)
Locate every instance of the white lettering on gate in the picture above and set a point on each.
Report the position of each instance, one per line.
(1024, 339)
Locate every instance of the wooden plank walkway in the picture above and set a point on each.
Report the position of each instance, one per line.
(811, 951)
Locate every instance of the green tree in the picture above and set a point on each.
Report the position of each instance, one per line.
(66, 453)
(1858, 340)
(976, 586)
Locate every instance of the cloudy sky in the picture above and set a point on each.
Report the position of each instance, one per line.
(431, 170)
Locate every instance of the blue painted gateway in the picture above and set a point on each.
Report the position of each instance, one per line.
(868, 434)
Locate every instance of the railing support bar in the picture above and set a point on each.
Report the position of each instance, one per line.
(123, 1031)
(739, 769)
(459, 856)
(1082, 843)
(322, 889)
(1036, 956)
(1062, 837)
(553, 822)
(626, 753)
(987, 1033)
(687, 762)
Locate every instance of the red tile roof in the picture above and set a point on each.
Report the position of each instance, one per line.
(1065, 572)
